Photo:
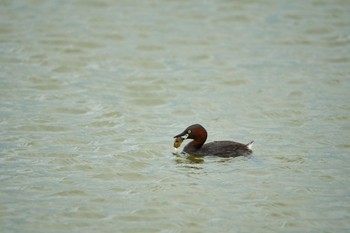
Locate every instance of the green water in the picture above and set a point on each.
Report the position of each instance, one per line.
(92, 92)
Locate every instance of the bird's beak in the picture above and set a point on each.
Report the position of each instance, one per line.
(184, 135)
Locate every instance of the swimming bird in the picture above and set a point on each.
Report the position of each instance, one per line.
(217, 148)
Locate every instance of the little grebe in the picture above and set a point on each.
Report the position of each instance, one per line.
(216, 148)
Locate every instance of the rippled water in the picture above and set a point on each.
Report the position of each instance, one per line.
(92, 92)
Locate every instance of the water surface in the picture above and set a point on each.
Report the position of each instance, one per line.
(92, 92)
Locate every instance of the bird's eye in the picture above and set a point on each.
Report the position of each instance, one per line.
(189, 131)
